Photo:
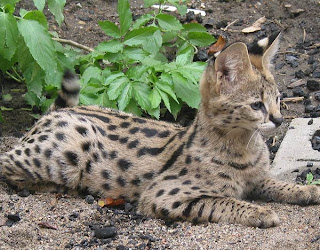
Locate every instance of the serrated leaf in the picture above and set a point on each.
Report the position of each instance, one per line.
(155, 112)
(169, 36)
(40, 45)
(186, 91)
(154, 44)
(167, 88)
(56, 8)
(32, 99)
(148, 3)
(112, 77)
(167, 22)
(175, 108)
(89, 73)
(200, 38)
(125, 16)
(155, 98)
(165, 99)
(139, 36)
(36, 15)
(116, 87)
(141, 93)
(46, 103)
(113, 46)
(34, 77)
(125, 96)
(136, 73)
(133, 108)
(103, 100)
(192, 71)
(39, 4)
(136, 54)
(185, 56)
(141, 21)
(110, 29)
(180, 5)
(88, 99)
(194, 27)
(8, 35)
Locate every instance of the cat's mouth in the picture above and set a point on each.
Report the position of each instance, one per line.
(267, 127)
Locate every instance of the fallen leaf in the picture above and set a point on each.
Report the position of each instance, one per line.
(255, 26)
(110, 202)
(217, 46)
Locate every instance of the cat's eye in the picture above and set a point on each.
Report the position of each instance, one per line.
(256, 105)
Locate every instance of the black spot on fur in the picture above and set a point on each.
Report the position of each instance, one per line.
(160, 192)
(224, 176)
(164, 134)
(113, 155)
(18, 151)
(106, 186)
(186, 182)
(112, 127)
(48, 153)
(102, 131)
(174, 157)
(124, 164)
(188, 159)
(125, 125)
(197, 176)
(187, 211)
(62, 124)
(176, 204)
(72, 158)
(36, 162)
(164, 212)
(174, 191)
(95, 157)
(121, 181)
(60, 136)
(27, 151)
(149, 132)
(195, 188)
(136, 181)
(124, 140)
(170, 177)
(47, 123)
(88, 166)
(138, 120)
(82, 130)
(113, 137)
(183, 172)
(30, 141)
(148, 175)
(133, 130)
(86, 146)
(105, 174)
(37, 149)
(133, 144)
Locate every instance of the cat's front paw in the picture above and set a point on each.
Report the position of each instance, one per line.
(263, 218)
(309, 195)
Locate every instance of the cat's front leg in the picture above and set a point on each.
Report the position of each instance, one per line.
(279, 191)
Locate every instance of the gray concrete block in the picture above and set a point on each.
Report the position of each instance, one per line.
(296, 150)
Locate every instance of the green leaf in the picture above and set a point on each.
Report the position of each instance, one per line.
(116, 87)
(175, 108)
(155, 112)
(103, 100)
(155, 98)
(148, 3)
(9, 7)
(39, 4)
(40, 45)
(192, 71)
(1, 118)
(8, 35)
(125, 16)
(186, 91)
(110, 29)
(182, 8)
(200, 38)
(125, 96)
(185, 56)
(167, 88)
(137, 73)
(167, 22)
(113, 46)
(133, 108)
(141, 21)
(32, 99)
(56, 8)
(169, 36)
(37, 16)
(89, 73)
(153, 45)
(139, 36)
(135, 54)
(141, 92)
(34, 77)
(165, 99)
(194, 27)
(113, 77)
(7, 97)
(309, 178)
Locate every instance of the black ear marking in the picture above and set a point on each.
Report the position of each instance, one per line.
(273, 37)
(257, 49)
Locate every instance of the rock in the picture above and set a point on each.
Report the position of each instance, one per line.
(85, 18)
(209, 23)
(74, 216)
(314, 114)
(309, 165)
(199, 18)
(89, 199)
(310, 122)
(279, 66)
(190, 16)
(296, 12)
(202, 55)
(122, 247)
(297, 91)
(316, 74)
(105, 232)
(128, 207)
(24, 193)
(284, 95)
(274, 149)
(292, 60)
(306, 102)
(14, 217)
(311, 60)
(317, 96)
(221, 24)
(299, 74)
(309, 108)
(313, 85)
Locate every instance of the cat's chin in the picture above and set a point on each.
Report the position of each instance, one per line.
(267, 127)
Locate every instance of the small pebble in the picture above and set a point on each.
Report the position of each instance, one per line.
(14, 217)
(313, 85)
(309, 164)
(24, 193)
(314, 114)
(299, 74)
(310, 122)
(309, 108)
(89, 199)
(317, 96)
(73, 216)
(316, 74)
(297, 91)
(105, 232)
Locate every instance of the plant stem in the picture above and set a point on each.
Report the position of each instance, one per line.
(17, 74)
(74, 44)
(13, 77)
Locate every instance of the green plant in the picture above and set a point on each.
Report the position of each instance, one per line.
(131, 71)
(27, 52)
(310, 180)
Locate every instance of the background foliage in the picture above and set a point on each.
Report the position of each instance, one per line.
(130, 72)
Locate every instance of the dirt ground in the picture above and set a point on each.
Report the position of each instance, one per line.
(73, 220)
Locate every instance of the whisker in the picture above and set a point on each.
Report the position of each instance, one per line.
(255, 132)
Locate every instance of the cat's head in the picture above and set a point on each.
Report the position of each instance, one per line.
(238, 89)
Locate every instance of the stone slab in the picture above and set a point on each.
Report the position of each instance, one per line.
(296, 150)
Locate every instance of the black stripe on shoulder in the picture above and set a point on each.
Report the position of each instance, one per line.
(174, 157)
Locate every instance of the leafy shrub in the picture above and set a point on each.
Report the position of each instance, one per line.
(131, 71)
(28, 53)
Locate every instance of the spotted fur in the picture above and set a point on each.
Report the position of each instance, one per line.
(202, 173)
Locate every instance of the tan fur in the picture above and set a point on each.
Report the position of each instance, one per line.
(200, 173)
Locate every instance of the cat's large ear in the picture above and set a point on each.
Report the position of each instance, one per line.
(262, 52)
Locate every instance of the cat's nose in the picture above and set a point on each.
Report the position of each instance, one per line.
(276, 120)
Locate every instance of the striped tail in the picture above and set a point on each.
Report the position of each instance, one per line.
(68, 95)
